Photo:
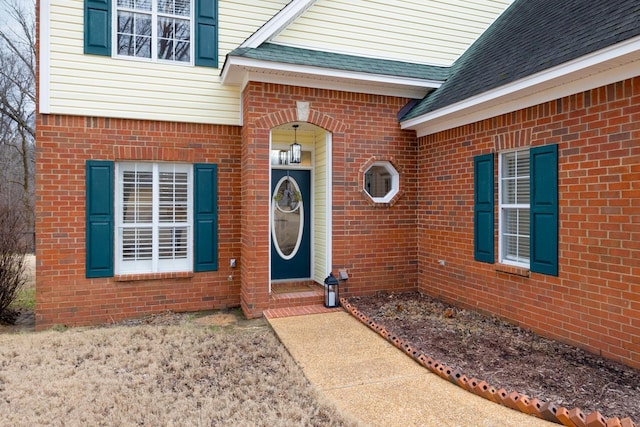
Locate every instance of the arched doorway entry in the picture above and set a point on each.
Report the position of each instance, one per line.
(300, 216)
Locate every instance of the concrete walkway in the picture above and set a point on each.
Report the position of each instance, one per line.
(378, 384)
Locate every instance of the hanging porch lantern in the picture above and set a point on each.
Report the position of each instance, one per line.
(331, 294)
(295, 150)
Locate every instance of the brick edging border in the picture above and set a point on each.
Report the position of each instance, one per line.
(514, 400)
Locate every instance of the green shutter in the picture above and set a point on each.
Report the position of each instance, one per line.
(97, 27)
(544, 210)
(205, 217)
(206, 30)
(99, 211)
(483, 208)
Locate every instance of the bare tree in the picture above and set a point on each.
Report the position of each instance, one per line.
(17, 107)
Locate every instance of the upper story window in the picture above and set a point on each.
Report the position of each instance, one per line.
(176, 31)
(154, 29)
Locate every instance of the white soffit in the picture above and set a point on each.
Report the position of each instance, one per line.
(610, 65)
(238, 71)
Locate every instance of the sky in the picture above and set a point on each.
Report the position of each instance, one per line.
(5, 18)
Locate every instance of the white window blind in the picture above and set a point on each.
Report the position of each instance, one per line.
(514, 208)
(153, 232)
(137, 214)
(173, 206)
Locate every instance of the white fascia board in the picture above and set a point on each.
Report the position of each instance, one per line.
(44, 37)
(344, 86)
(278, 23)
(597, 69)
(239, 71)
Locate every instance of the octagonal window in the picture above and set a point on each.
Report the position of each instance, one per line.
(381, 182)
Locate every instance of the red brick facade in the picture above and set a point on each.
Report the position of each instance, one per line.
(64, 296)
(377, 244)
(595, 300)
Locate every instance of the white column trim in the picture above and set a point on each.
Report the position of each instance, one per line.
(44, 39)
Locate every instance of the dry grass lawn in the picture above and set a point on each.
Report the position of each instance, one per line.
(148, 375)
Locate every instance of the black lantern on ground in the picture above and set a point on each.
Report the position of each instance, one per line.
(331, 297)
(295, 150)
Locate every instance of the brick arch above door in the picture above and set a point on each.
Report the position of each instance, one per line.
(277, 118)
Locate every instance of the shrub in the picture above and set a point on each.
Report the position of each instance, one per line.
(12, 261)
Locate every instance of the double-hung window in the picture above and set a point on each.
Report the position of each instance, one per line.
(527, 208)
(154, 29)
(153, 218)
(150, 218)
(175, 31)
(514, 206)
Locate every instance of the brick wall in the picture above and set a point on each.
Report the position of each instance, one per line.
(64, 295)
(595, 301)
(377, 245)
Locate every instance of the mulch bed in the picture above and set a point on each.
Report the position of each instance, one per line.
(507, 356)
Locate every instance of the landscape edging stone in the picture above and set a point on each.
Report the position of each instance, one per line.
(514, 400)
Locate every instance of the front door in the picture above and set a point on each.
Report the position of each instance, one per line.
(290, 224)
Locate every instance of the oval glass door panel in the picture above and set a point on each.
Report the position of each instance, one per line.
(288, 217)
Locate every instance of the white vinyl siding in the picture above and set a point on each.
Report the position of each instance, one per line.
(429, 31)
(514, 208)
(91, 85)
(320, 204)
(239, 19)
(153, 218)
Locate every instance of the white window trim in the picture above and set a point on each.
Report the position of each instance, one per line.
(155, 265)
(395, 182)
(154, 36)
(501, 208)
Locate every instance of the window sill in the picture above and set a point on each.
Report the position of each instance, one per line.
(377, 201)
(511, 269)
(153, 276)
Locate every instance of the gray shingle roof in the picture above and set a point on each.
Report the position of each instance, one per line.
(532, 36)
(297, 56)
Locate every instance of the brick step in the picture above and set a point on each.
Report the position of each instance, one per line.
(296, 299)
(302, 310)
(310, 295)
